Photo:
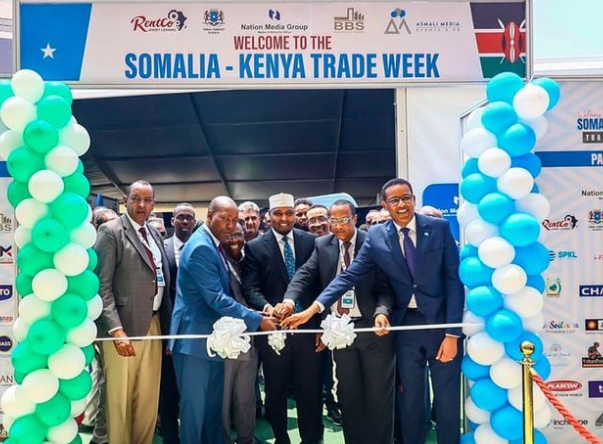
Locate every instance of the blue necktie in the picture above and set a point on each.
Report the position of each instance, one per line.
(290, 265)
(409, 251)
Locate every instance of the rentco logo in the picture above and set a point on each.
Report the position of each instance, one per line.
(595, 389)
(174, 21)
(397, 22)
(6, 344)
(353, 21)
(553, 287)
(564, 385)
(589, 291)
(569, 222)
(593, 325)
(562, 254)
(6, 292)
(6, 254)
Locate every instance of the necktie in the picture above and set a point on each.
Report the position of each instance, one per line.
(145, 236)
(346, 260)
(409, 251)
(290, 265)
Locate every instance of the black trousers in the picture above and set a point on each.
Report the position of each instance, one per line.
(169, 402)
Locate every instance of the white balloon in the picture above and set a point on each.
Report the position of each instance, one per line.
(539, 125)
(21, 328)
(15, 402)
(7, 421)
(471, 318)
(474, 120)
(63, 433)
(83, 335)
(477, 140)
(71, 260)
(68, 362)
(474, 413)
(95, 307)
(509, 279)
(78, 407)
(478, 231)
(496, 252)
(85, 235)
(89, 215)
(28, 84)
(485, 435)
(45, 186)
(506, 373)
(10, 141)
(16, 113)
(62, 160)
(467, 213)
(22, 236)
(535, 204)
(40, 385)
(75, 137)
(484, 350)
(30, 211)
(49, 284)
(531, 102)
(543, 236)
(494, 162)
(534, 324)
(31, 308)
(527, 302)
(542, 417)
(515, 183)
(515, 397)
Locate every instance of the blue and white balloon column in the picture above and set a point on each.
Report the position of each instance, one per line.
(504, 257)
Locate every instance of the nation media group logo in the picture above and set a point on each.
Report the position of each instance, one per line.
(174, 21)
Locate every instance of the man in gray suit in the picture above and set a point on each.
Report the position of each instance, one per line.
(133, 272)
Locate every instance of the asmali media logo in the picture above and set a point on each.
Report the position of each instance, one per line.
(397, 22)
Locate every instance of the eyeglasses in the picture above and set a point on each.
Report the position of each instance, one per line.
(318, 220)
(396, 200)
(182, 218)
(341, 221)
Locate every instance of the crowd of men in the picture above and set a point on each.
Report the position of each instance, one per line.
(285, 270)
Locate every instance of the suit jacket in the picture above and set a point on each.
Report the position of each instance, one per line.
(127, 279)
(203, 295)
(265, 276)
(437, 287)
(171, 256)
(373, 294)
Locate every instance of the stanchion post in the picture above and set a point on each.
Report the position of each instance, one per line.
(527, 349)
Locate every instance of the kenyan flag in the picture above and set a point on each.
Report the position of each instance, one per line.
(501, 37)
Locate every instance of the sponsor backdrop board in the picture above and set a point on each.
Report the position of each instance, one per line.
(572, 157)
(255, 44)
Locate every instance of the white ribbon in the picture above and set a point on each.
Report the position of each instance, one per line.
(339, 332)
(227, 339)
(276, 340)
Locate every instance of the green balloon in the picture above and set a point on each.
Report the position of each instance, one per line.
(32, 260)
(85, 285)
(22, 163)
(80, 167)
(77, 440)
(70, 209)
(69, 310)
(25, 360)
(28, 430)
(24, 284)
(78, 184)
(92, 259)
(49, 235)
(55, 110)
(76, 388)
(40, 136)
(45, 336)
(58, 89)
(55, 411)
(6, 91)
(89, 353)
(17, 191)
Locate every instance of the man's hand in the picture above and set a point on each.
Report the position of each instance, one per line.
(267, 324)
(283, 310)
(383, 324)
(320, 346)
(301, 318)
(123, 345)
(268, 310)
(448, 349)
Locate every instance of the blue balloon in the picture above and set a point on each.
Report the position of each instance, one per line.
(468, 438)
(484, 300)
(536, 281)
(495, 207)
(530, 162)
(518, 140)
(507, 422)
(534, 259)
(512, 347)
(474, 272)
(469, 167)
(543, 367)
(520, 229)
(552, 89)
(504, 326)
(467, 251)
(477, 185)
(539, 438)
(472, 425)
(498, 116)
(503, 87)
(487, 395)
(535, 189)
(472, 370)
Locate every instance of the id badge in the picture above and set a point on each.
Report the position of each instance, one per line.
(160, 278)
(348, 300)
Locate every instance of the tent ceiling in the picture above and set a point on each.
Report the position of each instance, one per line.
(247, 144)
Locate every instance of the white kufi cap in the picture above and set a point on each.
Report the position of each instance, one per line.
(281, 200)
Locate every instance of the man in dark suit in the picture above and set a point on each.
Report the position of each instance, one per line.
(203, 295)
(183, 222)
(270, 263)
(420, 258)
(365, 370)
(133, 272)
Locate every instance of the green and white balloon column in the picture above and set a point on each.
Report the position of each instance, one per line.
(41, 143)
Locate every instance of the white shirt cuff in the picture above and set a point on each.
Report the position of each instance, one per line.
(320, 305)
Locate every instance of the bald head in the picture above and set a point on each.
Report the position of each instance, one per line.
(222, 217)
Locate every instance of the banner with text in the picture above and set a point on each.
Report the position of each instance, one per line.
(255, 44)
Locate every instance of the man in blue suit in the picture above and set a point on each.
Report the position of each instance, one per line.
(420, 258)
(203, 296)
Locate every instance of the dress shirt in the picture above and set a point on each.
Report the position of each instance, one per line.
(178, 244)
(281, 243)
